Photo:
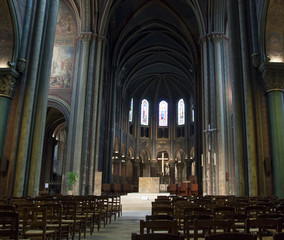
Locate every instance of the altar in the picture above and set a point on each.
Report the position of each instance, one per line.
(149, 185)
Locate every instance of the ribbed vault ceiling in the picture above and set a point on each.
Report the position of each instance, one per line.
(153, 47)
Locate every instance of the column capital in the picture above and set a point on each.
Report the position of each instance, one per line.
(86, 36)
(8, 78)
(273, 76)
(213, 36)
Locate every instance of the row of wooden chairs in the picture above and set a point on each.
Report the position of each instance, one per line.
(60, 216)
(266, 218)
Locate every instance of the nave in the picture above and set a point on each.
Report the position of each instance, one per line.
(121, 228)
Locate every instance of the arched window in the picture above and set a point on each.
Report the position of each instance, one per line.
(163, 114)
(181, 113)
(131, 111)
(144, 112)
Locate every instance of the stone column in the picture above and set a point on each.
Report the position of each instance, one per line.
(218, 151)
(248, 104)
(273, 79)
(135, 178)
(205, 116)
(79, 116)
(172, 172)
(116, 167)
(238, 125)
(23, 158)
(123, 169)
(7, 86)
(153, 165)
(40, 118)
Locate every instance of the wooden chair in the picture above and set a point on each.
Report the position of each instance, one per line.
(9, 222)
(159, 218)
(69, 216)
(173, 188)
(278, 236)
(231, 236)
(183, 189)
(223, 212)
(263, 226)
(203, 228)
(162, 210)
(152, 226)
(188, 228)
(106, 188)
(34, 224)
(156, 236)
(254, 210)
(54, 220)
(7, 208)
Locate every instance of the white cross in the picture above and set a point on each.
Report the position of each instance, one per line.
(163, 161)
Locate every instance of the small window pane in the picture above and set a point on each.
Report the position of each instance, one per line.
(163, 114)
(144, 112)
(131, 111)
(181, 115)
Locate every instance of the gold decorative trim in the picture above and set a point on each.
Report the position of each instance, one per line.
(275, 90)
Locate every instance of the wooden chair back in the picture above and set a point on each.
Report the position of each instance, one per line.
(278, 236)
(156, 236)
(159, 218)
(212, 226)
(153, 226)
(231, 236)
(162, 210)
(34, 224)
(264, 226)
(9, 222)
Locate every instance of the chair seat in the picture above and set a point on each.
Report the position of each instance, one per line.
(38, 232)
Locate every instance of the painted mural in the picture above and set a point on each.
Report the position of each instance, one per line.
(274, 35)
(63, 52)
(6, 34)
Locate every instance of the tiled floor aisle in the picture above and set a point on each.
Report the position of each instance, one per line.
(121, 228)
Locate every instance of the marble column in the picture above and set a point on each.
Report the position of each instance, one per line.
(273, 79)
(23, 156)
(40, 118)
(8, 78)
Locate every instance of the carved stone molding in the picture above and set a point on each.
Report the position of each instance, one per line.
(21, 65)
(255, 57)
(86, 37)
(8, 78)
(213, 36)
(273, 76)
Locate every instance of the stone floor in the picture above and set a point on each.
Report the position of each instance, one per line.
(122, 227)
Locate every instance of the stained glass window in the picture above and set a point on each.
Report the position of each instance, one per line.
(131, 111)
(163, 113)
(144, 112)
(181, 115)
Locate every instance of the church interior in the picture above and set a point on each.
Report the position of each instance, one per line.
(180, 91)
(185, 92)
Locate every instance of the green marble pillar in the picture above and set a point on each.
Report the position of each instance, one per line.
(273, 77)
(7, 85)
